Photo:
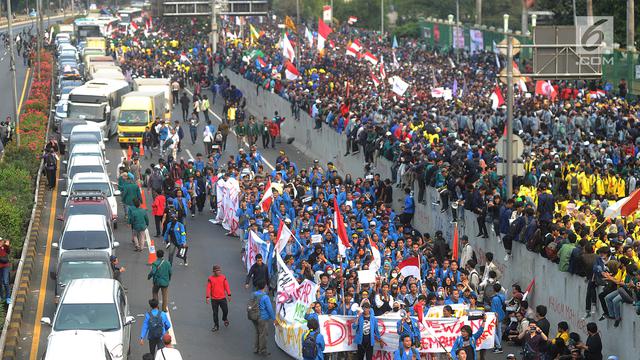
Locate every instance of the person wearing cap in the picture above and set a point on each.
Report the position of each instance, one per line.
(367, 332)
(407, 326)
(467, 341)
(219, 293)
(154, 343)
(167, 352)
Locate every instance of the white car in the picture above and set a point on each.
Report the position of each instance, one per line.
(89, 129)
(94, 182)
(86, 150)
(98, 305)
(76, 345)
(86, 232)
(84, 164)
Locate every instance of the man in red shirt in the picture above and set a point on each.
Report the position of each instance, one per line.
(5, 269)
(218, 291)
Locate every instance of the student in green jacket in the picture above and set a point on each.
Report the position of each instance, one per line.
(160, 276)
(139, 221)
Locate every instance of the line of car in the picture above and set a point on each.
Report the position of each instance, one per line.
(92, 319)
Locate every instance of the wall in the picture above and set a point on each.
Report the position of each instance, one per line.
(562, 293)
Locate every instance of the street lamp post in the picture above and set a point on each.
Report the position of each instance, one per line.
(12, 68)
(214, 29)
(381, 18)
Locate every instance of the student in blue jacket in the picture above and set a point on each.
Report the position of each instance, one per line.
(313, 333)
(407, 326)
(406, 351)
(367, 332)
(467, 341)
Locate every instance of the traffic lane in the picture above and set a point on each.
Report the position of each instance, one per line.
(191, 317)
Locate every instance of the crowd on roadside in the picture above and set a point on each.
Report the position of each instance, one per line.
(449, 145)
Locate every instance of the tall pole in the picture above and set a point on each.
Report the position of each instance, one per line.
(39, 34)
(575, 15)
(479, 12)
(524, 20)
(457, 12)
(381, 18)
(630, 26)
(298, 30)
(214, 29)
(509, 151)
(12, 68)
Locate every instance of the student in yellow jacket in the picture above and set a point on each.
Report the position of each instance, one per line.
(600, 186)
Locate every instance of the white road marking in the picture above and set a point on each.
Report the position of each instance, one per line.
(234, 133)
(171, 332)
(190, 155)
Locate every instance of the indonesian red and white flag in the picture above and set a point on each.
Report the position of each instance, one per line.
(545, 88)
(396, 64)
(377, 260)
(383, 73)
(323, 33)
(354, 49)
(193, 21)
(341, 230)
(352, 20)
(267, 198)
(287, 49)
(134, 26)
(370, 58)
(522, 85)
(150, 23)
(291, 72)
(410, 267)
(375, 80)
(529, 289)
(284, 234)
(497, 99)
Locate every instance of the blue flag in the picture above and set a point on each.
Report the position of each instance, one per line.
(395, 42)
(455, 88)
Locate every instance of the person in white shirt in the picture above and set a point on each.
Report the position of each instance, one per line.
(167, 352)
(467, 251)
(174, 144)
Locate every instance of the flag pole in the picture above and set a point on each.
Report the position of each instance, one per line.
(344, 305)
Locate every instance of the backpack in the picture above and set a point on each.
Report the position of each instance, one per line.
(309, 346)
(50, 162)
(253, 307)
(156, 326)
(474, 257)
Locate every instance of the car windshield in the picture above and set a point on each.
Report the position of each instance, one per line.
(86, 112)
(88, 209)
(71, 270)
(133, 117)
(61, 108)
(67, 126)
(92, 186)
(84, 240)
(103, 317)
(85, 169)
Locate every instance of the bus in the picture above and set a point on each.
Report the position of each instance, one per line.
(85, 28)
(128, 15)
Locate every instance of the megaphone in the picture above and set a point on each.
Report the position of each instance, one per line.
(454, 205)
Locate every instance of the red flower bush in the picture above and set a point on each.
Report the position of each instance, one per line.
(35, 115)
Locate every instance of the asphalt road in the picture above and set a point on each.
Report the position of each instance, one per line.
(190, 316)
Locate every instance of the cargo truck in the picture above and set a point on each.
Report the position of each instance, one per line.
(96, 101)
(138, 110)
(148, 84)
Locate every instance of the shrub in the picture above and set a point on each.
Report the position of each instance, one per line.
(12, 220)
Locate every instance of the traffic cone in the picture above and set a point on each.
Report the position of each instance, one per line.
(143, 202)
(129, 153)
(141, 149)
(152, 248)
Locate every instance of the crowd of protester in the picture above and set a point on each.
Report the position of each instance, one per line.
(580, 158)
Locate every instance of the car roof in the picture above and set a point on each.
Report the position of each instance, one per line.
(86, 222)
(75, 345)
(90, 291)
(86, 128)
(90, 177)
(83, 255)
(86, 160)
(86, 147)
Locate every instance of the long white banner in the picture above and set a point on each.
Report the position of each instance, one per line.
(227, 195)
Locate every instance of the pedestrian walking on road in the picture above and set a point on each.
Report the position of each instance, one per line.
(175, 236)
(184, 102)
(258, 272)
(204, 107)
(50, 167)
(265, 132)
(139, 222)
(219, 293)
(167, 352)
(160, 276)
(193, 127)
(5, 270)
(260, 312)
(155, 325)
(129, 191)
(157, 209)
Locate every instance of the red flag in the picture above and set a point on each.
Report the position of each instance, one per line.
(529, 289)
(456, 244)
(323, 33)
(376, 82)
(267, 198)
(291, 72)
(496, 98)
(631, 204)
(341, 230)
(410, 267)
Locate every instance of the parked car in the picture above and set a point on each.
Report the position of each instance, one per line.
(98, 305)
(59, 113)
(88, 203)
(86, 149)
(76, 345)
(84, 164)
(65, 129)
(86, 232)
(81, 265)
(94, 183)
